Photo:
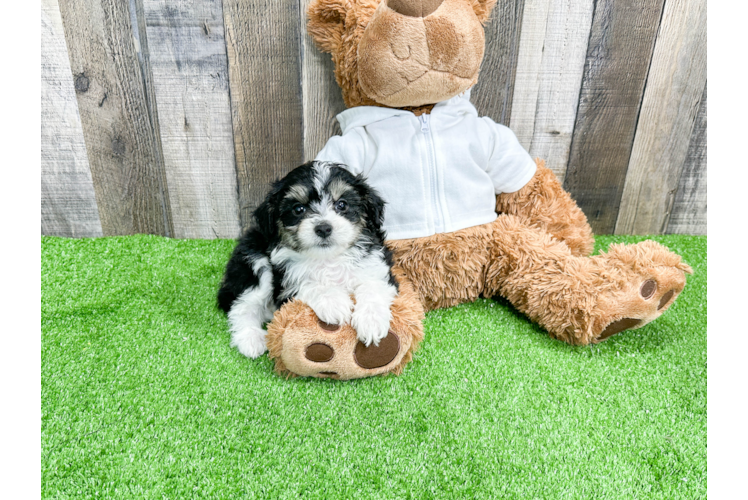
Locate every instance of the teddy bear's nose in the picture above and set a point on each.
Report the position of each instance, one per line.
(414, 8)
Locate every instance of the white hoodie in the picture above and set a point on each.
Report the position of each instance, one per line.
(438, 172)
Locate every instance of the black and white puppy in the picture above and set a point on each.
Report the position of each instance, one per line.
(318, 238)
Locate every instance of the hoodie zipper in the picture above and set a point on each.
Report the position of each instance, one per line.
(425, 120)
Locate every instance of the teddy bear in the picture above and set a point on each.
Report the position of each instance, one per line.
(469, 213)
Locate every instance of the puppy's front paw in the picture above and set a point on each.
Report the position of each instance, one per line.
(250, 342)
(371, 323)
(334, 310)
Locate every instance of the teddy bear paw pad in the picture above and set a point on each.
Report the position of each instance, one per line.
(319, 353)
(665, 300)
(648, 290)
(327, 326)
(618, 327)
(375, 356)
(648, 305)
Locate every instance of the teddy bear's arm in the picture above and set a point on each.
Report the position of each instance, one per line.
(529, 190)
(543, 203)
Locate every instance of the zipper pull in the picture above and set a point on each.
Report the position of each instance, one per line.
(424, 119)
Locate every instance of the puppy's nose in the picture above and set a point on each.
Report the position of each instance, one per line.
(414, 8)
(323, 230)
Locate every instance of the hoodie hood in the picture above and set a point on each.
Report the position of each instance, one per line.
(361, 116)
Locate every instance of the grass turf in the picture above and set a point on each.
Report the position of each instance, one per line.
(143, 398)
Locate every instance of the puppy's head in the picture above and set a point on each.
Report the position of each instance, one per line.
(321, 209)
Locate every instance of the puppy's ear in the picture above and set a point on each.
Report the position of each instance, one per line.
(326, 23)
(373, 205)
(266, 215)
(265, 219)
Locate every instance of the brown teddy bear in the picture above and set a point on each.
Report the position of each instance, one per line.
(469, 214)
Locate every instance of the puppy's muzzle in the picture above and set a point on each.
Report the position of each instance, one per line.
(323, 230)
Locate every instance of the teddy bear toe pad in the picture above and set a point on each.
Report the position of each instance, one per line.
(319, 353)
(652, 298)
(327, 326)
(377, 356)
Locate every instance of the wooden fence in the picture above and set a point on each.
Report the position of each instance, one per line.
(171, 117)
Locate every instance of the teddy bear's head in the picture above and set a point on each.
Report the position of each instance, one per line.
(401, 53)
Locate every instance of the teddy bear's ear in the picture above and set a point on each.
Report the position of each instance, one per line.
(326, 23)
(483, 9)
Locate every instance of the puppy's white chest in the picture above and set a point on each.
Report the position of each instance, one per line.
(306, 274)
(327, 273)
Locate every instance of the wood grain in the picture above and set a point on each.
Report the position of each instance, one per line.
(68, 202)
(263, 45)
(688, 215)
(618, 58)
(186, 52)
(123, 154)
(160, 140)
(493, 93)
(322, 97)
(552, 54)
(671, 101)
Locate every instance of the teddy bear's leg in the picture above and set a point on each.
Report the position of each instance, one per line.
(544, 204)
(303, 345)
(445, 269)
(581, 300)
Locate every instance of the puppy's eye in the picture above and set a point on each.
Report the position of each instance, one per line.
(341, 205)
(298, 209)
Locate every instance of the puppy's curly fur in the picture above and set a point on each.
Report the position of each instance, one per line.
(318, 238)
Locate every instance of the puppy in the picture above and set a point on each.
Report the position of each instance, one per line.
(317, 237)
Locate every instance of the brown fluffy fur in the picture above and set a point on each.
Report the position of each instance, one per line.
(572, 297)
(407, 61)
(535, 254)
(337, 27)
(543, 204)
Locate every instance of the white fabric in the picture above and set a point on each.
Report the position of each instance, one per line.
(438, 172)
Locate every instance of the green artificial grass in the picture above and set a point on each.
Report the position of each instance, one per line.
(142, 397)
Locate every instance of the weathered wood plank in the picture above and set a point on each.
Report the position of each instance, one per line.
(493, 93)
(529, 65)
(688, 215)
(618, 57)
(671, 101)
(322, 97)
(68, 202)
(187, 55)
(552, 53)
(126, 166)
(263, 44)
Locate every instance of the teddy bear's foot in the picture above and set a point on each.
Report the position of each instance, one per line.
(313, 348)
(303, 345)
(645, 305)
(649, 277)
(581, 300)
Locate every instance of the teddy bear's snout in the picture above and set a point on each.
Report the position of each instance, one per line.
(414, 8)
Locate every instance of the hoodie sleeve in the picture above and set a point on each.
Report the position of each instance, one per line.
(510, 166)
(348, 149)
